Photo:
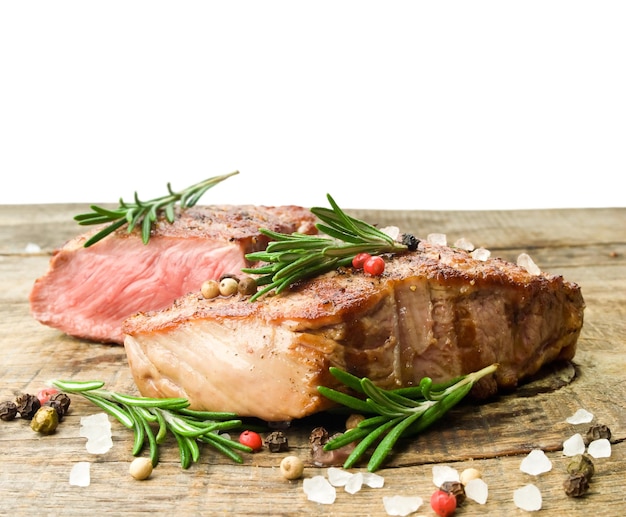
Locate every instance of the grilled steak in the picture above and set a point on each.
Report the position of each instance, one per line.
(434, 312)
(88, 292)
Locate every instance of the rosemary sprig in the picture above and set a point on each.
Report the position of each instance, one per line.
(152, 418)
(144, 213)
(296, 256)
(398, 413)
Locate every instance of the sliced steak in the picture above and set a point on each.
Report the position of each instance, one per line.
(435, 312)
(88, 292)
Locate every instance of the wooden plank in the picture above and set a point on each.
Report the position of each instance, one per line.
(586, 246)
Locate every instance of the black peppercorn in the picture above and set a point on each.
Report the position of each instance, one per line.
(410, 241)
(598, 431)
(60, 402)
(277, 441)
(8, 410)
(27, 405)
(576, 485)
(456, 489)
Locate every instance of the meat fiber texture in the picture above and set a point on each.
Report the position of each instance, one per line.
(88, 292)
(434, 312)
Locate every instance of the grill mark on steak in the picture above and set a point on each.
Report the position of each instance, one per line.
(88, 292)
(435, 312)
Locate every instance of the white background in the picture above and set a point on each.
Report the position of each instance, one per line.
(389, 104)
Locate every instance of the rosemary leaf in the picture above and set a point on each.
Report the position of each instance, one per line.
(397, 413)
(142, 214)
(290, 258)
(151, 419)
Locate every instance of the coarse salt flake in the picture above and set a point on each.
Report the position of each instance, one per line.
(463, 244)
(535, 463)
(443, 473)
(373, 480)
(600, 448)
(319, 490)
(337, 476)
(582, 416)
(574, 445)
(524, 260)
(31, 247)
(477, 490)
(481, 254)
(97, 429)
(80, 474)
(392, 231)
(354, 484)
(402, 505)
(437, 238)
(528, 498)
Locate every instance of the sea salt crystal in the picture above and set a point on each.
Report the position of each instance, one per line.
(463, 244)
(373, 480)
(574, 445)
(437, 238)
(337, 476)
(31, 247)
(392, 231)
(535, 463)
(528, 498)
(319, 490)
(353, 481)
(402, 505)
(481, 254)
(442, 473)
(582, 416)
(524, 260)
(354, 484)
(477, 490)
(80, 475)
(97, 429)
(600, 448)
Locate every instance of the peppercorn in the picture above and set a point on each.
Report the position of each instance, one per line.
(61, 402)
(353, 421)
(456, 489)
(318, 436)
(468, 474)
(597, 432)
(410, 241)
(581, 464)
(576, 485)
(277, 441)
(45, 420)
(228, 286)
(140, 468)
(247, 285)
(210, 289)
(27, 405)
(8, 410)
(291, 467)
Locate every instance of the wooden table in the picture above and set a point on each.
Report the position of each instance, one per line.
(586, 246)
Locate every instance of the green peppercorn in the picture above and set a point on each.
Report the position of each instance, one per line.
(581, 464)
(45, 420)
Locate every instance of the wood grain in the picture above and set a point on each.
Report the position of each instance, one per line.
(586, 246)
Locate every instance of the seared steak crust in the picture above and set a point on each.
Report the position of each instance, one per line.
(88, 292)
(435, 312)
